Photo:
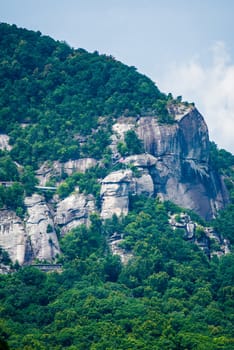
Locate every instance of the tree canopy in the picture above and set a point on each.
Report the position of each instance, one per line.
(50, 92)
(168, 296)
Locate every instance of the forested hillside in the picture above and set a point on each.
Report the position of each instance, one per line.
(57, 92)
(170, 296)
(59, 103)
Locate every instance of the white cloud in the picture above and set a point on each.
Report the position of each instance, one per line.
(211, 87)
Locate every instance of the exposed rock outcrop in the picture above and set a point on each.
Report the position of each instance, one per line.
(142, 182)
(57, 169)
(115, 246)
(115, 193)
(35, 238)
(175, 166)
(117, 186)
(12, 235)
(41, 238)
(4, 142)
(74, 211)
(185, 223)
(205, 237)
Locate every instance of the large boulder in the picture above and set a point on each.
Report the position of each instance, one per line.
(141, 165)
(41, 238)
(74, 211)
(115, 193)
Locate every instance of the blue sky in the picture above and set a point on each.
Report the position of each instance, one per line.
(185, 47)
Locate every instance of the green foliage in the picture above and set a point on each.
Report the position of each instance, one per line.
(8, 169)
(11, 191)
(12, 197)
(131, 145)
(122, 148)
(49, 228)
(4, 257)
(200, 234)
(87, 182)
(28, 180)
(223, 162)
(97, 144)
(168, 296)
(220, 159)
(3, 345)
(224, 223)
(162, 113)
(50, 93)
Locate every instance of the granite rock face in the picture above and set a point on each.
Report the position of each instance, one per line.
(57, 169)
(175, 165)
(12, 235)
(142, 182)
(41, 238)
(74, 211)
(35, 238)
(115, 193)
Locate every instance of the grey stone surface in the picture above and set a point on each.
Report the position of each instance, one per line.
(12, 235)
(36, 238)
(42, 242)
(4, 142)
(174, 166)
(115, 193)
(182, 172)
(56, 169)
(74, 211)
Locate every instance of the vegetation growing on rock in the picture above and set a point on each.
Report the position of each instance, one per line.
(51, 92)
(170, 295)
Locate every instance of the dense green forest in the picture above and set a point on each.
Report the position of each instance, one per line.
(170, 294)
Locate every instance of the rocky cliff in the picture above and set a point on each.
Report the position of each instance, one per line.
(35, 238)
(32, 238)
(174, 166)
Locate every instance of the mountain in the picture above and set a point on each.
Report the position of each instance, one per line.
(61, 105)
(115, 189)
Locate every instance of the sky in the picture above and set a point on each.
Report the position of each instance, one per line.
(185, 46)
